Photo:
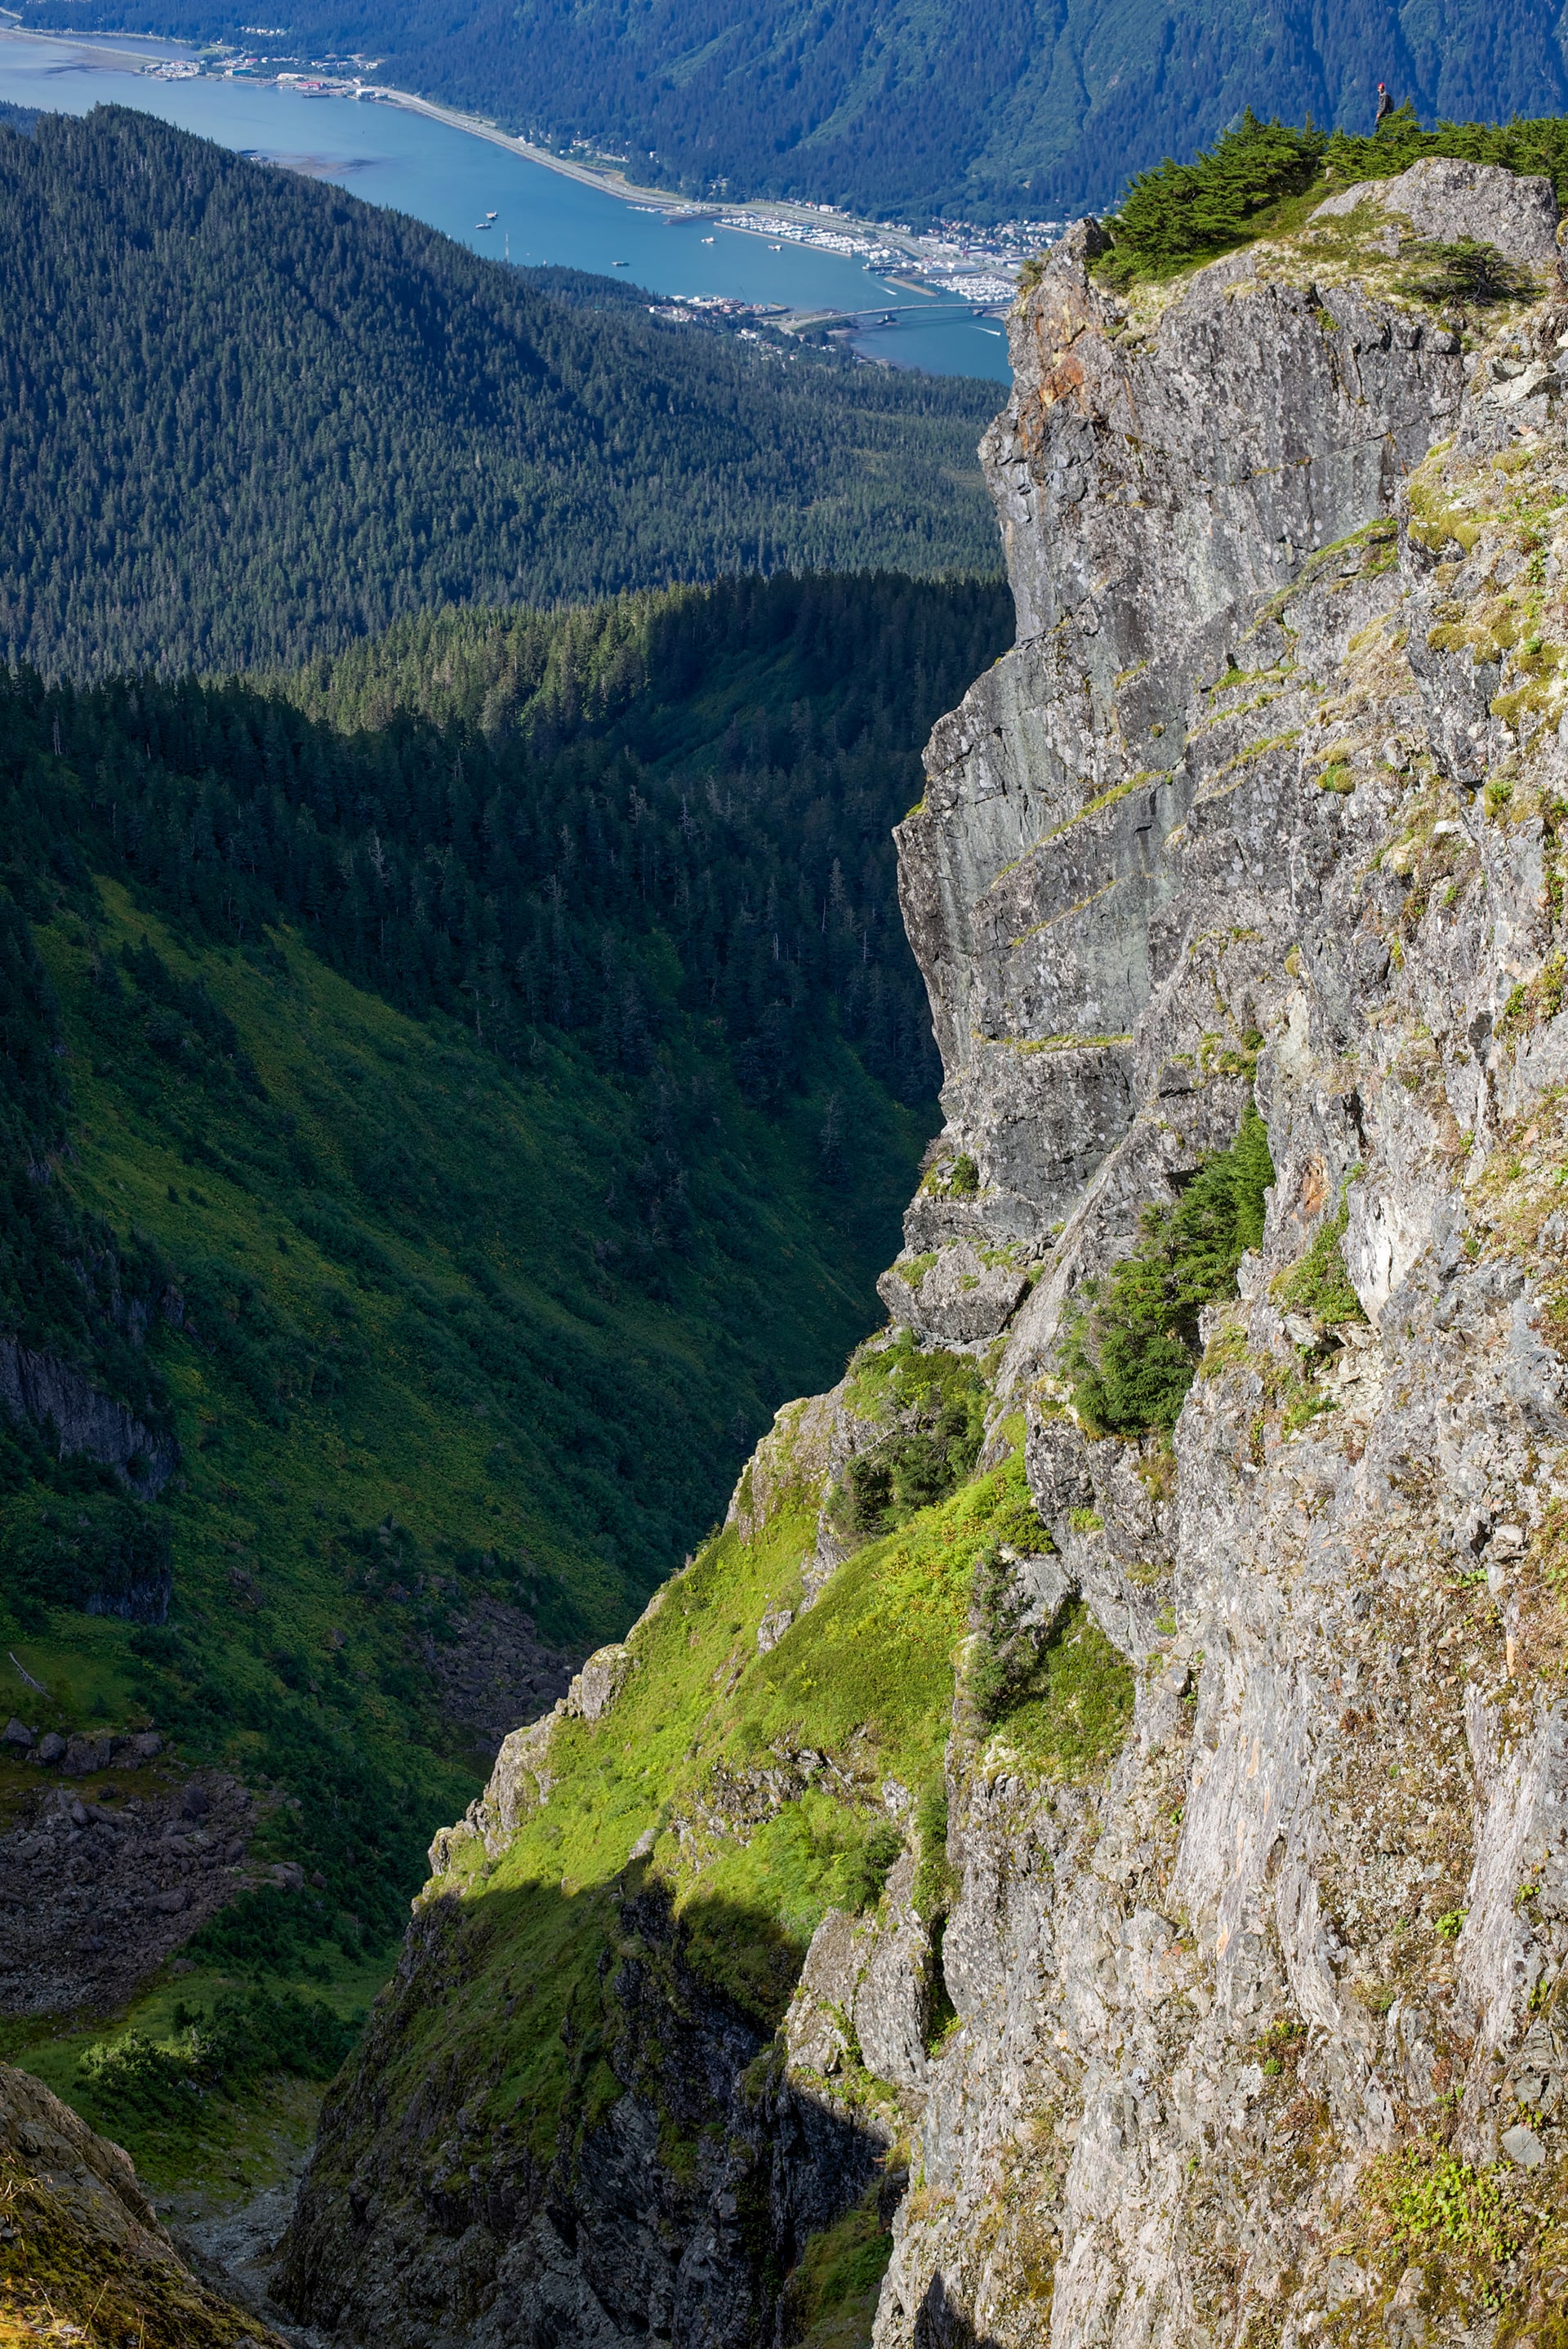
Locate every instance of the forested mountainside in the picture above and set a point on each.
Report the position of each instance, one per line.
(1080, 1857)
(1036, 111)
(451, 1097)
(245, 417)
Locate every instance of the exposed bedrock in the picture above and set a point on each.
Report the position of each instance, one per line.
(1250, 2028)
(1268, 798)
(1154, 485)
(55, 1397)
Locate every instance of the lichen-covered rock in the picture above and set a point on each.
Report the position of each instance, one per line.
(961, 1296)
(790, 1466)
(595, 1688)
(82, 2254)
(1221, 2035)
(1445, 199)
(865, 1991)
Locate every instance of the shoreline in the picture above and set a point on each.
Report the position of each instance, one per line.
(611, 180)
(607, 179)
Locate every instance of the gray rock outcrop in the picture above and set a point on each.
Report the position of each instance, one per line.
(1292, 1955)
(55, 1397)
(1447, 200)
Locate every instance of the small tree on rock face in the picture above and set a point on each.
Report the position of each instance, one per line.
(1468, 272)
(1132, 1349)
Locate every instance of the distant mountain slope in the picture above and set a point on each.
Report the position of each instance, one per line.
(245, 417)
(1033, 108)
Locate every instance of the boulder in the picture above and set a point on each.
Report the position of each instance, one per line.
(600, 1681)
(17, 1733)
(964, 1295)
(817, 2028)
(1445, 199)
(51, 1745)
(168, 1904)
(776, 1622)
(84, 1754)
(1523, 2145)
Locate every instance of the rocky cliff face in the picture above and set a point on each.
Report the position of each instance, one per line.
(56, 1399)
(1226, 2009)
(1269, 794)
(82, 2255)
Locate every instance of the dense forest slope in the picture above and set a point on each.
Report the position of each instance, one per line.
(245, 417)
(1081, 1857)
(1036, 111)
(449, 1098)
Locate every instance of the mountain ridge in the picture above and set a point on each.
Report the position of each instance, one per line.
(247, 418)
(1043, 111)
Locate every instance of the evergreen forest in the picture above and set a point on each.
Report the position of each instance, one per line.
(1041, 109)
(245, 418)
(453, 1094)
(1262, 178)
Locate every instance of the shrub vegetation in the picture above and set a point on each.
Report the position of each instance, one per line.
(1262, 177)
(1131, 1349)
(1178, 212)
(1320, 1285)
(243, 2036)
(1467, 271)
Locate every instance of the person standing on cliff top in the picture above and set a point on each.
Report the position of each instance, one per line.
(1384, 107)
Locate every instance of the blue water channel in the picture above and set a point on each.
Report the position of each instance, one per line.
(452, 179)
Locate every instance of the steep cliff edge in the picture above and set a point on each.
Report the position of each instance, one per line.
(1151, 1844)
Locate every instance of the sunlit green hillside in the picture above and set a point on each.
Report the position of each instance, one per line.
(458, 1136)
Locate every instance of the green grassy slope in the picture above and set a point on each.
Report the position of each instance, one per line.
(654, 1888)
(388, 1263)
(466, 1406)
(245, 417)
